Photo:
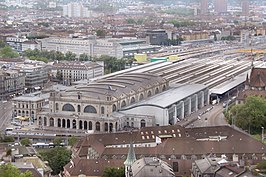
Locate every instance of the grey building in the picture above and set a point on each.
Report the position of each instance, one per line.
(157, 37)
(172, 105)
(11, 83)
(36, 75)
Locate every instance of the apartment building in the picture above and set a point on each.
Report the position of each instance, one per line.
(71, 71)
(11, 83)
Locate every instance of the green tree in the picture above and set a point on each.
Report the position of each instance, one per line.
(57, 141)
(72, 140)
(59, 75)
(9, 170)
(2, 44)
(249, 116)
(114, 172)
(100, 33)
(25, 142)
(131, 21)
(262, 165)
(7, 52)
(57, 157)
(112, 64)
(69, 56)
(84, 57)
(8, 152)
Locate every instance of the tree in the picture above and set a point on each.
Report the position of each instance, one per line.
(57, 157)
(100, 33)
(72, 140)
(84, 57)
(7, 52)
(9, 170)
(251, 115)
(8, 152)
(111, 64)
(114, 172)
(2, 44)
(57, 141)
(25, 142)
(69, 56)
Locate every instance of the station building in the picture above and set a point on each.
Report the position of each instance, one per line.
(131, 100)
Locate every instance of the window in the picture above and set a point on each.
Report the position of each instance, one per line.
(132, 100)
(141, 97)
(123, 104)
(175, 166)
(102, 110)
(98, 126)
(90, 125)
(156, 90)
(149, 93)
(78, 108)
(90, 109)
(56, 106)
(142, 123)
(68, 107)
(114, 107)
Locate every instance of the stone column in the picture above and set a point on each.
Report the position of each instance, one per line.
(196, 102)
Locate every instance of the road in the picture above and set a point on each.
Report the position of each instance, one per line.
(214, 117)
(5, 114)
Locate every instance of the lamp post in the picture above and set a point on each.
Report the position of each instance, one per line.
(262, 134)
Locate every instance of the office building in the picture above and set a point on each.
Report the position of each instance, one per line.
(75, 9)
(204, 7)
(245, 7)
(220, 6)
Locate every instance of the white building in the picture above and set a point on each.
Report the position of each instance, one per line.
(32, 45)
(75, 9)
(74, 71)
(96, 47)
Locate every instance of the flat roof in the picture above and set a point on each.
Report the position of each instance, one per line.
(228, 85)
(171, 96)
(31, 97)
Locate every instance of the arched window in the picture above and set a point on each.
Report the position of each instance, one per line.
(116, 126)
(78, 108)
(64, 123)
(102, 110)
(98, 126)
(74, 124)
(142, 123)
(141, 97)
(85, 125)
(132, 124)
(27, 112)
(68, 107)
(114, 107)
(40, 120)
(59, 122)
(111, 127)
(106, 127)
(68, 123)
(19, 111)
(45, 121)
(149, 94)
(164, 87)
(90, 125)
(51, 122)
(132, 100)
(90, 109)
(156, 90)
(80, 124)
(32, 112)
(123, 104)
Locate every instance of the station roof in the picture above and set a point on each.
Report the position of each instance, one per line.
(171, 96)
(226, 86)
(31, 97)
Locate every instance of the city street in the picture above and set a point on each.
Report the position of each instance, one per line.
(5, 114)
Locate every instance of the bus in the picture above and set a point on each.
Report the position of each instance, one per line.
(9, 131)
